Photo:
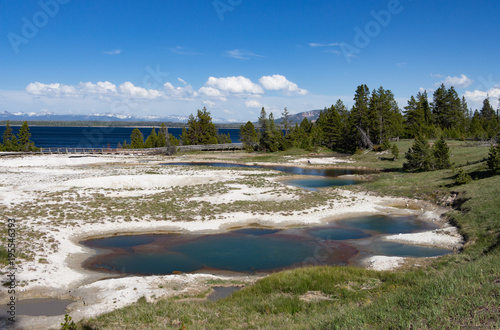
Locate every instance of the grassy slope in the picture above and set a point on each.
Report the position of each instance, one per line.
(452, 291)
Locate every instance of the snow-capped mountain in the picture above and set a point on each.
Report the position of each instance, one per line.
(48, 116)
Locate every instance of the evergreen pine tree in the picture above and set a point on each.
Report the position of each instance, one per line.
(9, 139)
(201, 129)
(303, 135)
(264, 131)
(184, 137)
(23, 138)
(151, 140)
(286, 120)
(441, 153)
(275, 135)
(439, 107)
(224, 138)
(489, 119)
(248, 136)
(359, 112)
(161, 140)
(419, 156)
(358, 117)
(494, 157)
(413, 118)
(136, 139)
(448, 110)
(487, 112)
(395, 152)
(172, 140)
(330, 125)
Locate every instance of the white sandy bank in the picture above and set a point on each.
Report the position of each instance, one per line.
(23, 180)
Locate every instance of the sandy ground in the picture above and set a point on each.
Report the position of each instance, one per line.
(23, 180)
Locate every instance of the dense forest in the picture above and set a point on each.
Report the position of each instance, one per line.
(374, 120)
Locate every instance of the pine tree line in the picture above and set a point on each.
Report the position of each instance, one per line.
(200, 130)
(374, 120)
(21, 142)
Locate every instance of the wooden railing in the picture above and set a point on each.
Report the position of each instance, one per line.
(207, 147)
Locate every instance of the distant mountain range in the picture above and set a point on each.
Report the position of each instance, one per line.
(105, 117)
(111, 117)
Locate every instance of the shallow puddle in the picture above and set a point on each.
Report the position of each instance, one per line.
(221, 292)
(42, 307)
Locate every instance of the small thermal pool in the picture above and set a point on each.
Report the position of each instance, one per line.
(326, 177)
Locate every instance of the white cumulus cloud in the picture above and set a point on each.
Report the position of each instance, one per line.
(279, 82)
(236, 85)
(101, 87)
(209, 103)
(54, 90)
(185, 92)
(129, 89)
(212, 92)
(253, 104)
(476, 97)
(459, 82)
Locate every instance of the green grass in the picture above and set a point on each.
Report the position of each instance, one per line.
(454, 291)
(4, 256)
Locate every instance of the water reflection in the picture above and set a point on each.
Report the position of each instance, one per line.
(326, 172)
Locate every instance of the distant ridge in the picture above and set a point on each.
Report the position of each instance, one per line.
(311, 115)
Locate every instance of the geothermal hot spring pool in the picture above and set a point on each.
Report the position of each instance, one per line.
(335, 177)
(257, 250)
(262, 250)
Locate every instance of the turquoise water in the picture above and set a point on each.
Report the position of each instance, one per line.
(316, 183)
(402, 250)
(338, 234)
(387, 225)
(256, 250)
(235, 252)
(326, 177)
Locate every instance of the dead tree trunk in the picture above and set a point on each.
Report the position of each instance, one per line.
(365, 138)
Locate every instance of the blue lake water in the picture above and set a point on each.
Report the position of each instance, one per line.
(95, 137)
(254, 249)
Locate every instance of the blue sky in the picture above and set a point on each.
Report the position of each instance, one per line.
(172, 57)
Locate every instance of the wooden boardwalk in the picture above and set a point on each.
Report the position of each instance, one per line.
(122, 151)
